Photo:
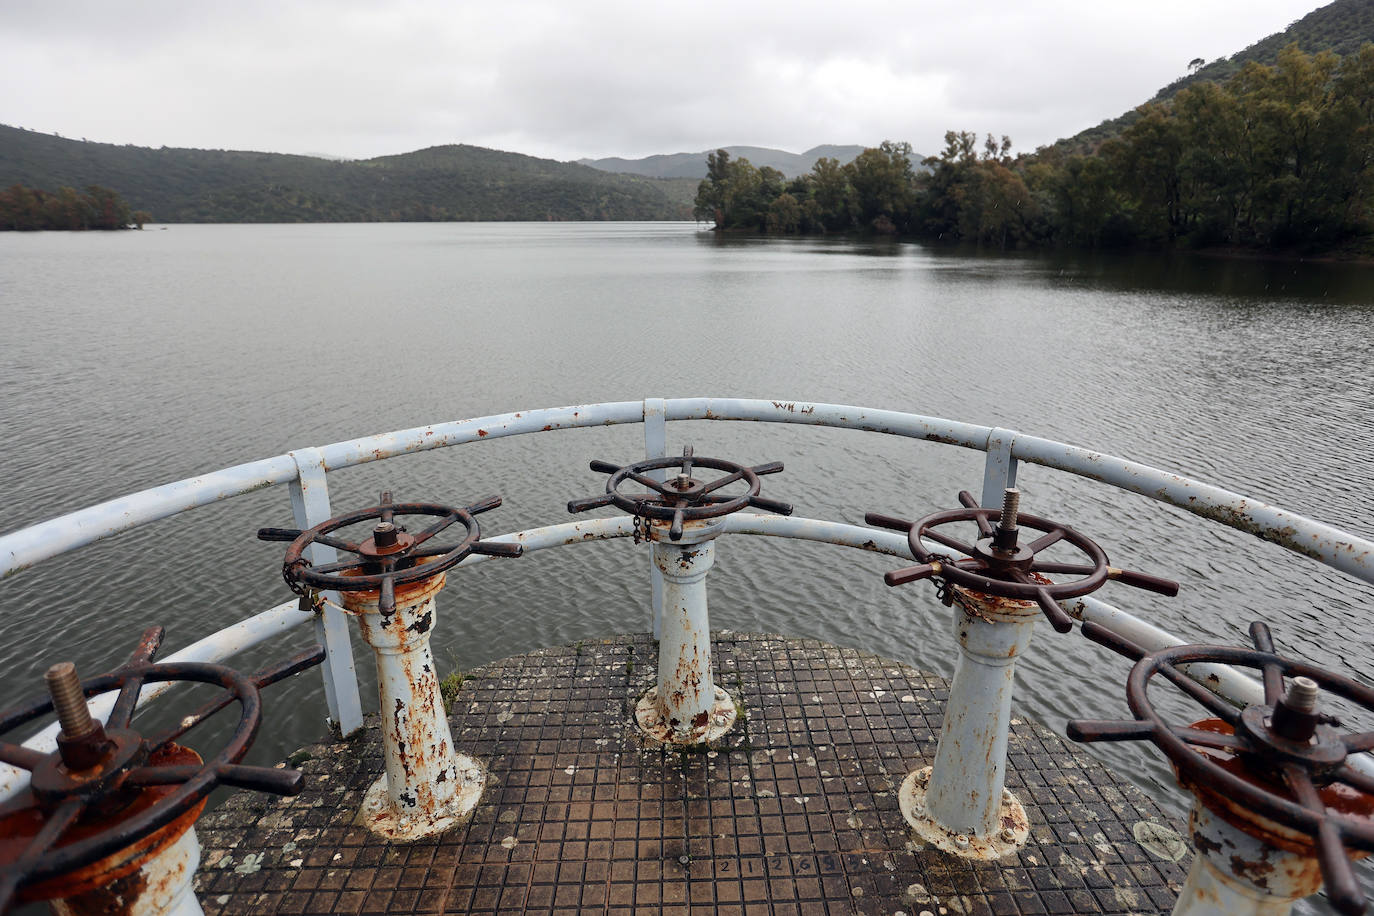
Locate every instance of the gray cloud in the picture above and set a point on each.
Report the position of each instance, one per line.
(599, 77)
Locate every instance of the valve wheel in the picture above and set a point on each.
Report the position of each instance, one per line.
(117, 786)
(684, 498)
(1303, 779)
(390, 557)
(996, 564)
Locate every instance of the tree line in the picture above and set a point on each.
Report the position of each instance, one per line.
(1279, 157)
(25, 209)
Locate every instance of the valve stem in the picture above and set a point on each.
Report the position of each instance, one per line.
(1295, 714)
(1302, 695)
(67, 699)
(1004, 537)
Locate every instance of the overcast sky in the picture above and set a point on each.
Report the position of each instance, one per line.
(598, 78)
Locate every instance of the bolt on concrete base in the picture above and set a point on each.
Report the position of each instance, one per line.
(1011, 835)
(653, 721)
(379, 815)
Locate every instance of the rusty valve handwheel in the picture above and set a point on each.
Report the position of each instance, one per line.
(1295, 758)
(389, 557)
(107, 786)
(998, 564)
(682, 498)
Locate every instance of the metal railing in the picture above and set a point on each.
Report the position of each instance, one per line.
(305, 472)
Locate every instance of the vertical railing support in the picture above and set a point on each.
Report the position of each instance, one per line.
(686, 706)
(310, 505)
(999, 467)
(656, 446)
(961, 804)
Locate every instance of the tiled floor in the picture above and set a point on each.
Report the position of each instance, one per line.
(794, 812)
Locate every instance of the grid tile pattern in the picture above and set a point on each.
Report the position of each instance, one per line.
(793, 812)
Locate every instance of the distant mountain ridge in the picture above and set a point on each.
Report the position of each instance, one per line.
(1341, 27)
(455, 182)
(693, 165)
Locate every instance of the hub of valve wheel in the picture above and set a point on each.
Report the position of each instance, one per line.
(681, 516)
(1280, 807)
(389, 584)
(1001, 584)
(106, 823)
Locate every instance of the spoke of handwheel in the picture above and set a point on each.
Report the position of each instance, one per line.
(1198, 737)
(261, 779)
(1204, 697)
(337, 543)
(1074, 569)
(1118, 644)
(264, 677)
(909, 574)
(675, 529)
(657, 486)
(1355, 779)
(26, 758)
(723, 481)
(980, 517)
(1046, 539)
(142, 777)
(122, 713)
(949, 541)
(433, 550)
(1341, 888)
(1061, 621)
(687, 460)
(1354, 744)
(1088, 730)
(147, 647)
(434, 529)
(341, 566)
(54, 826)
(1273, 674)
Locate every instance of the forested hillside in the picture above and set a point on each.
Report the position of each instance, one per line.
(441, 183)
(1340, 27)
(1280, 158)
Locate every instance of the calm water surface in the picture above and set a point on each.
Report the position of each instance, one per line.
(134, 359)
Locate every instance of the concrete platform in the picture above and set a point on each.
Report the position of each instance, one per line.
(794, 813)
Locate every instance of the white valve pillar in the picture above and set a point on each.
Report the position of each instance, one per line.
(686, 706)
(960, 804)
(427, 786)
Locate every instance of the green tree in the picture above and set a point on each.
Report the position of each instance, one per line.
(884, 186)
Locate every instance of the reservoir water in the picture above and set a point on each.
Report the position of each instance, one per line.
(133, 359)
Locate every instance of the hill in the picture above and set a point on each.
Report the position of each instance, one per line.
(693, 165)
(441, 183)
(1341, 27)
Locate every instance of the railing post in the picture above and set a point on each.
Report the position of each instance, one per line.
(310, 505)
(999, 469)
(656, 446)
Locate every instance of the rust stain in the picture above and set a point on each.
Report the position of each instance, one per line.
(481, 432)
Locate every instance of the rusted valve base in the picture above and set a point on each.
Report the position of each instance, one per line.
(1010, 836)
